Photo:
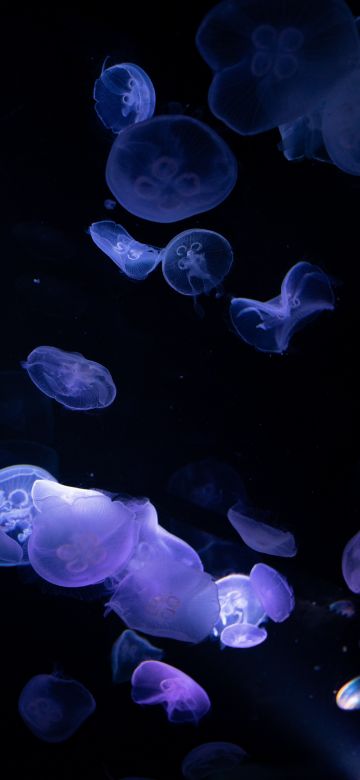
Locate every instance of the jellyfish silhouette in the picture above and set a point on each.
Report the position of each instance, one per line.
(169, 168)
(134, 259)
(341, 124)
(210, 758)
(128, 652)
(196, 261)
(54, 707)
(124, 94)
(261, 536)
(273, 591)
(350, 563)
(155, 682)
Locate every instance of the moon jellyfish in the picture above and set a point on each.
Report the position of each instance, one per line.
(196, 261)
(260, 536)
(80, 537)
(17, 511)
(275, 61)
(169, 168)
(303, 139)
(350, 563)
(348, 697)
(54, 707)
(128, 652)
(71, 379)
(134, 259)
(268, 326)
(207, 483)
(210, 758)
(344, 608)
(273, 591)
(124, 95)
(184, 701)
(238, 603)
(242, 635)
(341, 124)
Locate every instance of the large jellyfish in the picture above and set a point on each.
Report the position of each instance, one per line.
(239, 604)
(275, 61)
(128, 652)
(54, 707)
(154, 682)
(80, 537)
(350, 563)
(210, 758)
(169, 168)
(134, 259)
(70, 378)
(305, 292)
(124, 94)
(261, 536)
(196, 261)
(273, 591)
(341, 124)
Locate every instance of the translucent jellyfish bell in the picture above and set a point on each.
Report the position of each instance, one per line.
(169, 168)
(343, 607)
(238, 602)
(134, 259)
(350, 563)
(273, 591)
(348, 696)
(303, 139)
(71, 379)
(196, 261)
(184, 701)
(211, 758)
(242, 635)
(124, 94)
(261, 536)
(80, 537)
(53, 707)
(128, 652)
(341, 124)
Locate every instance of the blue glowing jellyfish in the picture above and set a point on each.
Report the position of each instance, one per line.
(273, 591)
(343, 607)
(242, 635)
(341, 124)
(260, 536)
(128, 652)
(134, 259)
(196, 261)
(275, 61)
(238, 603)
(70, 378)
(350, 563)
(170, 168)
(54, 707)
(348, 696)
(305, 292)
(303, 139)
(123, 95)
(207, 483)
(154, 682)
(211, 758)
(80, 537)
(17, 511)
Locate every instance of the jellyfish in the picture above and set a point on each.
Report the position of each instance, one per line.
(169, 168)
(303, 139)
(274, 61)
(343, 608)
(260, 536)
(207, 483)
(348, 696)
(273, 591)
(210, 758)
(341, 124)
(124, 94)
(134, 259)
(238, 603)
(183, 699)
(350, 563)
(17, 511)
(71, 379)
(242, 635)
(54, 707)
(80, 536)
(196, 261)
(305, 292)
(128, 652)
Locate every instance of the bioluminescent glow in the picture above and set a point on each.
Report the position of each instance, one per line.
(128, 651)
(348, 696)
(273, 591)
(135, 260)
(196, 261)
(183, 699)
(260, 536)
(54, 707)
(124, 94)
(210, 758)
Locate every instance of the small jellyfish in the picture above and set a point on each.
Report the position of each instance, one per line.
(207, 483)
(305, 292)
(238, 603)
(71, 379)
(344, 608)
(348, 696)
(242, 635)
(80, 537)
(196, 261)
(154, 682)
(350, 563)
(128, 652)
(124, 94)
(169, 168)
(273, 591)
(341, 124)
(134, 259)
(210, 758)
(303, 139)
(110, 204)
(261, 536)
(274, 61)
(54, 707)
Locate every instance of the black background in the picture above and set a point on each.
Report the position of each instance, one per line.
(188, 388)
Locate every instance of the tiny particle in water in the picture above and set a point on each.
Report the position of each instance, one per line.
(36, 281)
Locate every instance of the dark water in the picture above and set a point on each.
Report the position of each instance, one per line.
(187, 389)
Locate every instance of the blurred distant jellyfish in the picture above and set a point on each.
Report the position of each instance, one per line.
(124, 95)
(273, 591)
(17, 511)
(80, 537)
(74, 381)
(341, 124)
(350, 563)
(128, 652)
(211, 758)
(238, 603)
(242, 635)
(196, 261)
(348, 696)
(303, 139)
(305, 292)
(344, 608)
(109, 204)
(54, 707)
(170, 168)
(274, 61)
(184, 701)
(261, 536)
(208, 483)
(134, 259)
